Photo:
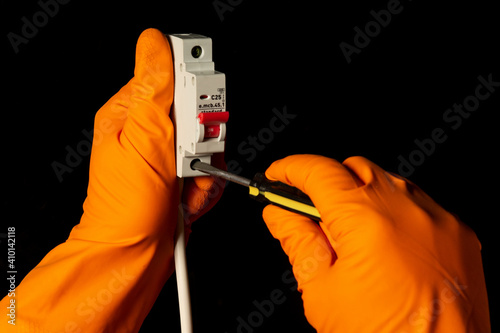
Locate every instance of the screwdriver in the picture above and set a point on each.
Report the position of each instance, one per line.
(267, 191)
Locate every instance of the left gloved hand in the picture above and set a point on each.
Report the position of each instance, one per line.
(108, 273)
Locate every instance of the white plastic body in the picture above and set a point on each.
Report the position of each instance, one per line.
(198, 89)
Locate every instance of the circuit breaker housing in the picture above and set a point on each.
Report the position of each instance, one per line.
(199, 108)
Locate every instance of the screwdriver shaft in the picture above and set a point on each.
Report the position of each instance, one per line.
(207, 168)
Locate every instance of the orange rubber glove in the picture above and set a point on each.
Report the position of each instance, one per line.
(108, 274)
(386, 257)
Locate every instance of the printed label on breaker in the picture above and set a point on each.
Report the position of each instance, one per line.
(214, 102)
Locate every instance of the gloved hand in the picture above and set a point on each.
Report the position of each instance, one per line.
(385, 258)
(107, 275)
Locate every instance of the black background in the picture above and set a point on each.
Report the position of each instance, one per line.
(275, 55)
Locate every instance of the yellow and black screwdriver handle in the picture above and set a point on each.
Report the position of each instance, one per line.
(282, 195)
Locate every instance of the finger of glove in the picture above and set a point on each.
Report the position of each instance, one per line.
(199, 196)
(401, 198)
(323, 179)
(148, 127)
(392, 186)
(307, 247)
(368, 172)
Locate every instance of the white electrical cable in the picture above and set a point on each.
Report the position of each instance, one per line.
(182, 274)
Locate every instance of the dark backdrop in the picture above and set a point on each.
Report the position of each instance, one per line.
(390, 89)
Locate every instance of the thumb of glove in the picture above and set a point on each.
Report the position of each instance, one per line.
(148, 126)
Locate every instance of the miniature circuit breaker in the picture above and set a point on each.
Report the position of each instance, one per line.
(199, 108)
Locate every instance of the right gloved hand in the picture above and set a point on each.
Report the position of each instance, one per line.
(385, 258)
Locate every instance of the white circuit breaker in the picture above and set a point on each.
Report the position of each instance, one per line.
(199, 108)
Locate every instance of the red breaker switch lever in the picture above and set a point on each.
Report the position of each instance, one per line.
(214, 124)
